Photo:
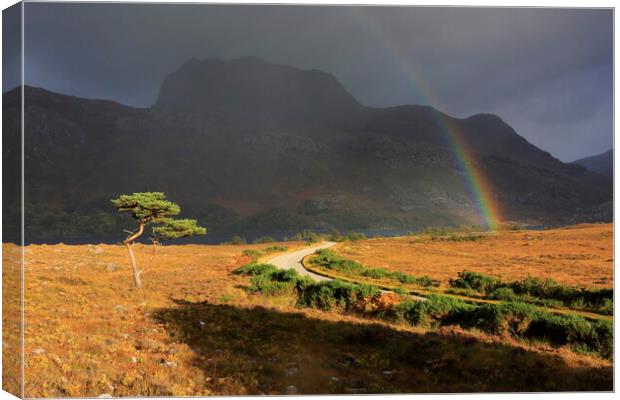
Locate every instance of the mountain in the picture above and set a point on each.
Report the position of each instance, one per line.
(249, 146)
(602, 163)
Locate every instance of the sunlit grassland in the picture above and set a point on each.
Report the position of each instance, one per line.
(196, 329)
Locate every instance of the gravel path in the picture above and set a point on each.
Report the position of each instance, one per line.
(293, 260)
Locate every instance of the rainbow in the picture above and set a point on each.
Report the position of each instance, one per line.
(476, 180)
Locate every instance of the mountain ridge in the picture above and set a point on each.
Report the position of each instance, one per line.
(602, 163)
(282, 167)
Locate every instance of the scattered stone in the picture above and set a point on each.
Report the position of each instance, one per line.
(39, 351)
(105, 396)
(386, 372)
(134, 360)
(291, 369)
(291, 389)
(334, 379)
(202, 323)
(95, 249)
(170, 364)
(111, 267)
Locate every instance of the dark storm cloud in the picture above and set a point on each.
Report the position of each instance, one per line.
(11, 47)
(547, 72)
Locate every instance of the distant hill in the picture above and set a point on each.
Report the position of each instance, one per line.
(602, 163)
(249, 146)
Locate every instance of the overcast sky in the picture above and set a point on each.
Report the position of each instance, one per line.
(547, 72)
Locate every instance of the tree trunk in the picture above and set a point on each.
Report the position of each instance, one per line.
(128, 242)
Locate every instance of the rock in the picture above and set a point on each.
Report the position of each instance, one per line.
(105, 396)
(387, 372)
(134, 360)
(170, 364)
(291, 389)
(110, 267)
(39, 351)
(291, 369)
(95, 249)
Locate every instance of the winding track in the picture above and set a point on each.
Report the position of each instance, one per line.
(293, 260)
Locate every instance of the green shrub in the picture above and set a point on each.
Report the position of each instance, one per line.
(307, 236)
(429, 313)
(476, 281)
(326, 295)
(251, 253)
(546, 293)
(237, 240)
(511, 317)
(606, 307)
(327, 259)
(264, 239)
(456, 237)
(335, 236)
(277, 282)
(253, 269)
(503, 293)
(271, 249)
(355, 236)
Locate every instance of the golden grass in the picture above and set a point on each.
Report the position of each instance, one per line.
(194, 330)
(11, 319)
(580, 255)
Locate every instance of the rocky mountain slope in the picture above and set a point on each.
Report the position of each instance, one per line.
(245, 145)
(601, 163)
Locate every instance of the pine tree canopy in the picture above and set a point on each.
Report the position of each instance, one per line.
(168, 228)
(146, 206)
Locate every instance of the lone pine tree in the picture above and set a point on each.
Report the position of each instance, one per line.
(153, 208)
